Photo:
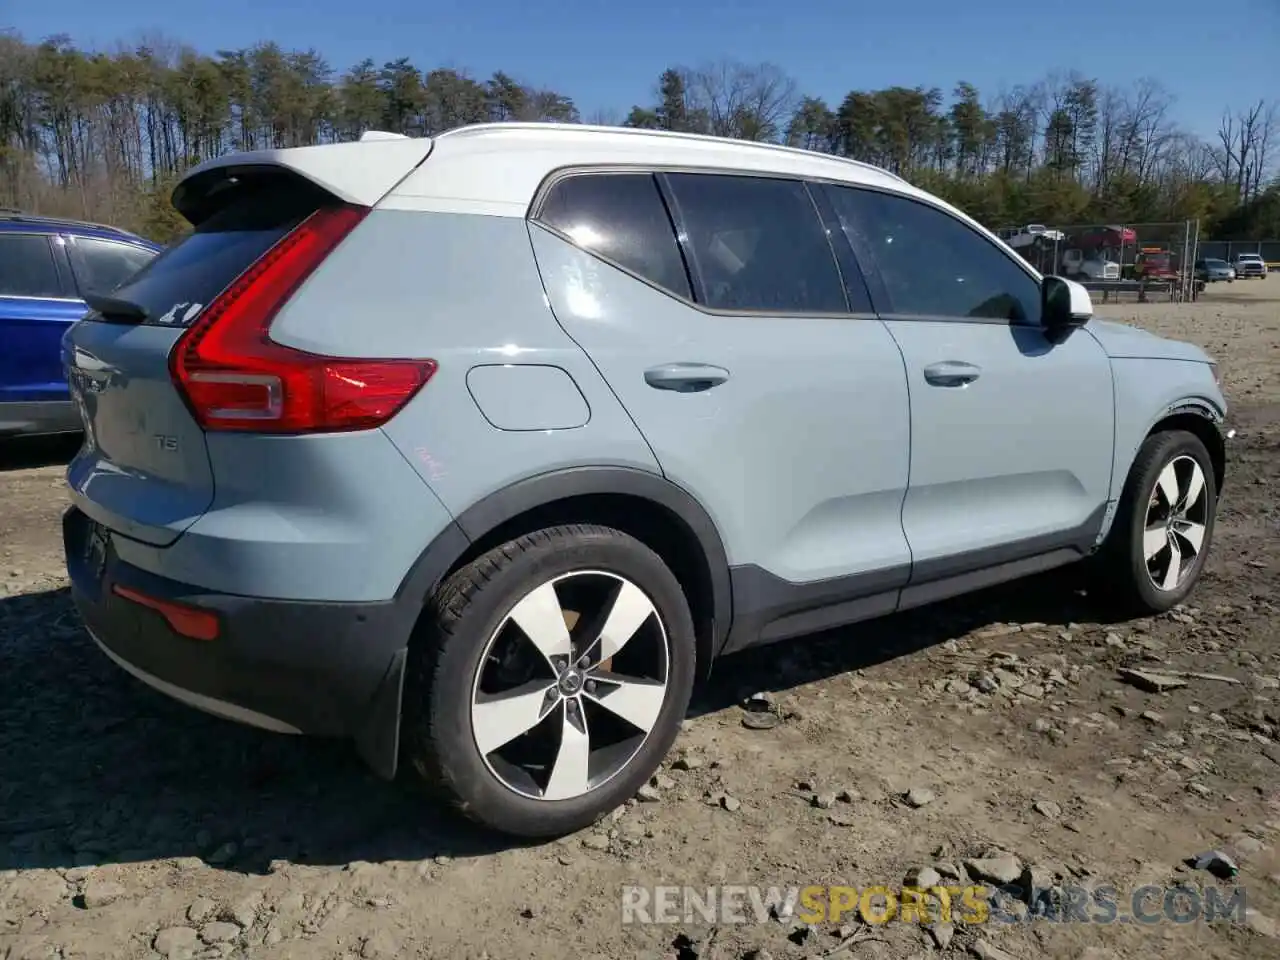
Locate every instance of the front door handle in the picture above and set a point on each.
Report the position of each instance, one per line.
(951, 373)
(685, 377)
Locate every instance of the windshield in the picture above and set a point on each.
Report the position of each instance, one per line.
(1249, 256)
(1216, 264)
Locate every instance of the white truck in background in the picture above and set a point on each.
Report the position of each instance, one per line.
(1249, 265)
(1089, 264)
(1032, 233)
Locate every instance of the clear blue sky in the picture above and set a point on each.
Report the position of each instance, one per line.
(608, 53)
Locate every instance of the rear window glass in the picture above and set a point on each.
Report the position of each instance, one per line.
(187, 277)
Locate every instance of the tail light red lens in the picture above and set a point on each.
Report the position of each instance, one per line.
(235, 378)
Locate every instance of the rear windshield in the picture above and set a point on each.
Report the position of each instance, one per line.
(189, 275)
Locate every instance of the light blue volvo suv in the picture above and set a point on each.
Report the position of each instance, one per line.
(478, 450)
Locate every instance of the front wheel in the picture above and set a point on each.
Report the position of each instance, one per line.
(1159, 541)
(549, 679)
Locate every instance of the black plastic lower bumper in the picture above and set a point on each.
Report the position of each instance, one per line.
(330, 669)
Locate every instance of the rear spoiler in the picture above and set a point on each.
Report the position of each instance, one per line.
(362, 172)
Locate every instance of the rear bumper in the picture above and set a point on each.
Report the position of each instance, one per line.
(329, 669)
(37, 418)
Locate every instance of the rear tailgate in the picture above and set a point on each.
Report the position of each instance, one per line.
(144, 469)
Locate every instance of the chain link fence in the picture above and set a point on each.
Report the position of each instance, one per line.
(1113, 261)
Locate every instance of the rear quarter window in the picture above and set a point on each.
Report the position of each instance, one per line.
(620, 217)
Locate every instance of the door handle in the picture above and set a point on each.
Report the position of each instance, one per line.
(685, 377)
(951, 373)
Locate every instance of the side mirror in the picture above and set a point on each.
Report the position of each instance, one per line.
(1064, 306)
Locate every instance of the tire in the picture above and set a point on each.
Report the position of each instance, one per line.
(473, 640)
(1124, 573)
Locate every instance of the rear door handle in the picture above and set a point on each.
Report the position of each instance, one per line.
(685, 377)
(951, 373)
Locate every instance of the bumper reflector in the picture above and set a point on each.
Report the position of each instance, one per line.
(188, 621)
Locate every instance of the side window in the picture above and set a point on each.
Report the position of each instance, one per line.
(27, 268)
(103, 265)
(620, 216)
(758, 244)
(934, 265)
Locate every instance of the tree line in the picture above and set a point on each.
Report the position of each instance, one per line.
(105, 135)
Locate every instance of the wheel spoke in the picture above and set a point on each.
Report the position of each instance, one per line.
(540, 617)
(497, 719)
(1175, 566)
(1168, 485)
(1195, 488)
(634, 700)
(1154, 539)
(569, 773)
(631, 608)
(1192, 533)
(563, 734)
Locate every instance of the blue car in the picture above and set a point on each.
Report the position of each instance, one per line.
(47, 266)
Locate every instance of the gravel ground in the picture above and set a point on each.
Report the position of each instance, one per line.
(997, 726)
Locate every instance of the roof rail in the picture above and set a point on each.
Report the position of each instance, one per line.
(7, 213)
(481, 128)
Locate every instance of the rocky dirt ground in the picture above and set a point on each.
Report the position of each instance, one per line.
(996, 727)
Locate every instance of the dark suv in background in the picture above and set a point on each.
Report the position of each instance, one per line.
(47, 266)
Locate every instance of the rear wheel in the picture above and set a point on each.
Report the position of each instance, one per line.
(549, 679)
(1158, 544)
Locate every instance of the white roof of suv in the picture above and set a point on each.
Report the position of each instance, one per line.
(495, 168)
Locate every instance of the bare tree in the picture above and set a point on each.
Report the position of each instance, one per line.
(1262, 148)
(1148, 124)
(746, 101)
(1245, 140)
(1190, 158)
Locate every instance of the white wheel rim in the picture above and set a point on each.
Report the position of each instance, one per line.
(1176, 523)
(570, 685)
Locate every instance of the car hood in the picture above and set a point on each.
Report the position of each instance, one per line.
(1120, 340)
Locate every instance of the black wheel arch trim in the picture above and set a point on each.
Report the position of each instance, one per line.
(544, 489)
(1196, 405)
(1205, 410)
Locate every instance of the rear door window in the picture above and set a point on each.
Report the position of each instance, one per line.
(185, 278)
(103, 265)
(757, 244)
(27, 267)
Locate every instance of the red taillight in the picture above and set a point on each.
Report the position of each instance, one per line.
(236, 378)
(187, 621)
